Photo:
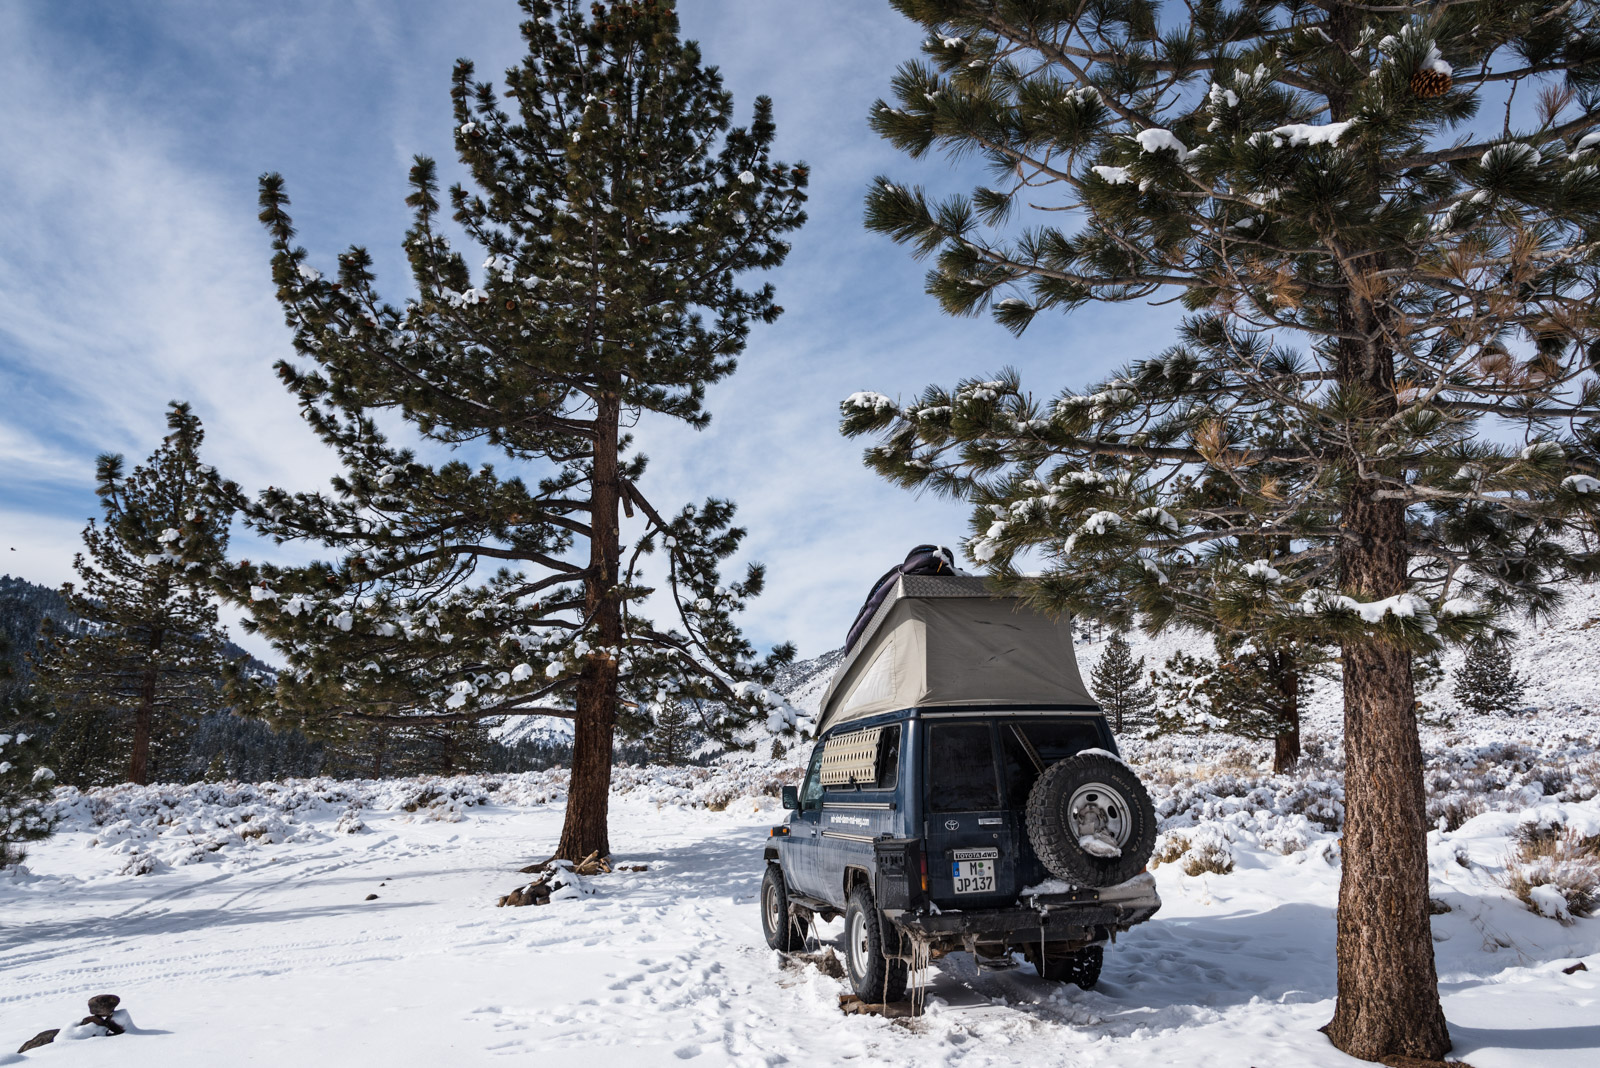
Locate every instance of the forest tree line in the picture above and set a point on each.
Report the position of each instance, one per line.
(220, 745)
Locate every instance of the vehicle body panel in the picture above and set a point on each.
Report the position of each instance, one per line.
(960, 786)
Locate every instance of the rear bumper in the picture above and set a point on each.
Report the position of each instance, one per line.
(1078, 916)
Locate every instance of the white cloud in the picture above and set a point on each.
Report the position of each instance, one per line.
(129, 280)
(132, 270)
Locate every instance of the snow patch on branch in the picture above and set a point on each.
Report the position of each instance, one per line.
(1401, 606)
(1509, 153)
(1158, 140)
(1434, 61)
(1160, 518)
(1301, 134)
(1581, 484)
(1459, 606)
(1586, 142)
(1101, 523)
(868, 402)
(1264, 572)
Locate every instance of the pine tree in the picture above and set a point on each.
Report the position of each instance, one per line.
(143, 662)
(1250, 690)
(26, 783)
(1384, 389)
(1486, 681)
(672, 736)
(617, 212)
(1119, 684)
(26, 788)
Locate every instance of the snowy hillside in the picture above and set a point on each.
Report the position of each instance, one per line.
(534, 728)
(1558, 657)
(805, 681)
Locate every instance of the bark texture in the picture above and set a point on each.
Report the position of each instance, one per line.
(1388, 989)
(1286, 744)
(589, 795)
(144, 717)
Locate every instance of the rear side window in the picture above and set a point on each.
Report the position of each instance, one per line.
(1060, 738)
(961, 772)
(1031, 745)
(862, 760)
(889, 757)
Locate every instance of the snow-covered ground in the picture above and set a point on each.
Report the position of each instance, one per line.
(250, 937)
(234, 921)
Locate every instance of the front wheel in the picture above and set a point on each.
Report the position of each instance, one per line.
(874, 976)
(783, 934)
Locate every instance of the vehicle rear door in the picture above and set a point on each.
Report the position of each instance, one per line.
(1029, 745)
(972, 847)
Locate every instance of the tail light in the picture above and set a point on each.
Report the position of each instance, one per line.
(923, 858)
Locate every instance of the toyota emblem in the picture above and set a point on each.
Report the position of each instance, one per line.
(952, 825)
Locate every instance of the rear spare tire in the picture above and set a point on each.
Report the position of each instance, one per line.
(1090, 820)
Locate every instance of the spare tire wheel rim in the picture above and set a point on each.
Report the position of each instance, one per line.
(1099, 811)
(860, 951)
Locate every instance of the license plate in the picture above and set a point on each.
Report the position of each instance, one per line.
(974, 876)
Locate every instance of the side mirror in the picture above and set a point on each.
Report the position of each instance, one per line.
(791, 797)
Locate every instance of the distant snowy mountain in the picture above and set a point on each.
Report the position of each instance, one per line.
(805, 681)
(533, 728)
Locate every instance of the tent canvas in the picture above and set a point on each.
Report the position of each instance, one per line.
(947, 640)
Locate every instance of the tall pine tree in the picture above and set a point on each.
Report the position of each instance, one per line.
(144, 661)
(617, 212)
(1119, 685)
(1383, 298)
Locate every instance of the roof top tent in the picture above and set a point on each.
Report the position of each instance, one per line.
(942, 640)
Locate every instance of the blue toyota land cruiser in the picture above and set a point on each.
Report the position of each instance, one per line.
(964, 794)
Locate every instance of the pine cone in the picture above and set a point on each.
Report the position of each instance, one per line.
(1429, 83)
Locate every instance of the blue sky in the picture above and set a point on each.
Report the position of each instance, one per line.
(133, 271)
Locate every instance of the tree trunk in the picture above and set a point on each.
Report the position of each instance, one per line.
(1388, 989)
(1286, 746)
(144, 718)
(1286, 743)
(589, 794)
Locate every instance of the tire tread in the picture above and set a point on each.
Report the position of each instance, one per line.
(1052, 839)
